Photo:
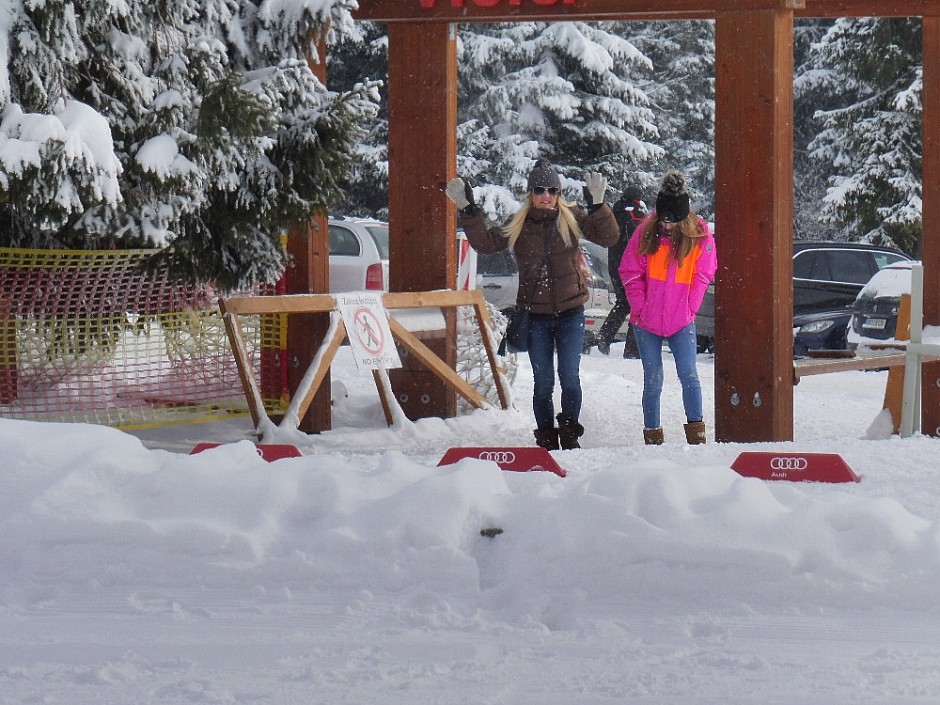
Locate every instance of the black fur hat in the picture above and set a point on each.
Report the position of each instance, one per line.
(543, 174)
(672, 202)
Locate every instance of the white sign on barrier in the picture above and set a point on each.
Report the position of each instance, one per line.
(367, 328)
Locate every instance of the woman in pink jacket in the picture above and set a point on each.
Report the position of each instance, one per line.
(666, 268)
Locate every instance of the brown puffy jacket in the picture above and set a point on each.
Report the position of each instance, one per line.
(560, 285)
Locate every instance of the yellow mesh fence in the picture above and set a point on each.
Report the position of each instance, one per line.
(89, 336)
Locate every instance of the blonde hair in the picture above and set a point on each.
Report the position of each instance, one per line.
(683, 235)
(565, 223)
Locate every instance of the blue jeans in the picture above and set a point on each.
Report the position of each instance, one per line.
(683, 347)
(549, 335)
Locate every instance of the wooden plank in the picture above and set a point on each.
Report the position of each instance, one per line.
(894, 387)
(325, 303)
(930, 244)
(246, 374)
(483, 323)
(432, 299)
(422, 11)
(323, 359)
(807, 367)
(393, 11)
(753, 224)
(435, 364)
(868, 8)
(291, 303)
(383, 397)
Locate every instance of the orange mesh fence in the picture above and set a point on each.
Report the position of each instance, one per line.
(90, 336)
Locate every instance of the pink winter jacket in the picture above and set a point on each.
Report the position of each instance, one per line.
(664, 298)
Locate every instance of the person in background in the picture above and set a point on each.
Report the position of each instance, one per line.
(668, 264)
(629, 210)
(543, 235)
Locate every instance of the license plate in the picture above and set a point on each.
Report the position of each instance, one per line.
(874, 323)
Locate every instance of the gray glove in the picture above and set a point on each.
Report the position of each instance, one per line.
(460, 192)
(595, 188)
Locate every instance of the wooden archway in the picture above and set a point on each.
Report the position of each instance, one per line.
(754, 156)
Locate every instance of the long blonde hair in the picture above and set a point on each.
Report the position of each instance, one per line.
(566, 223)
(684, 237)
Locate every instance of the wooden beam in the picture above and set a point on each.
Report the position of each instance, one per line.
(868, 8)
(753, 225)
(545, 10)
(930, 216)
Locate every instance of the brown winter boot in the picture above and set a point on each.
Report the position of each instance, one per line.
(568, 433)
(653, 436)
(546, 438)
(695, 433)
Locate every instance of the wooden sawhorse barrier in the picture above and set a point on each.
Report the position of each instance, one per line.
(232, 308)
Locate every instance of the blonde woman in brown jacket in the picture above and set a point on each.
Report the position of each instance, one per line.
(544, 236)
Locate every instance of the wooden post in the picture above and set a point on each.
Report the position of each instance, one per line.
(309, 247)
(422, 155)
(753, 226)
(930, 216)
(894, 387)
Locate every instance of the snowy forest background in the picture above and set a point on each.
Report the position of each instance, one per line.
(199, 128)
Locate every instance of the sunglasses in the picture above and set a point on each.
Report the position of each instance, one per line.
(539, 190)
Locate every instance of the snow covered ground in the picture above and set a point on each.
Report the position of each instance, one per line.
(133, 573)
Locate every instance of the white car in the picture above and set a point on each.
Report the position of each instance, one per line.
(358, 255)
(875, 312)
(498, 278)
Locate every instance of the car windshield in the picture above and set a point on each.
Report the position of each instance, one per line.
(379, 235)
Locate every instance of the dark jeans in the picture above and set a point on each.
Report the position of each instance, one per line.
(562, 336)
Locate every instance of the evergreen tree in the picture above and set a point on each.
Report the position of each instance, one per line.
(813, 90)
(873, 139)
(567, 91)
(629, 99)
(195, 126)
(357, 55)
(681, 88)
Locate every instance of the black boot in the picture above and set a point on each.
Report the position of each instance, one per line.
(569, 432)
(547, 438)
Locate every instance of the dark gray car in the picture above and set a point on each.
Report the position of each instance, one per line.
(827, 277)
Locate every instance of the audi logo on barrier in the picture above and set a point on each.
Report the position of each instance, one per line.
(782, 463)
(500, 457)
